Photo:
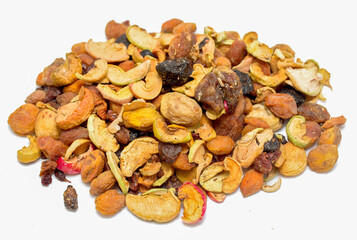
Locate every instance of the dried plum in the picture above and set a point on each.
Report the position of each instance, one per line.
(298, 96)
(123, 39)
(272, 145)
(169, 152)
(246, 81)
(175, 72)
(146, 52)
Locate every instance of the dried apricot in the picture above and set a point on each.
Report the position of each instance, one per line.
(23, 120)
(331, 136)
(110, 202)
(322, 158)
(251, 183)
(282, 105)
(92, 166)
(221, 145)
(313, 112)
(102, 183)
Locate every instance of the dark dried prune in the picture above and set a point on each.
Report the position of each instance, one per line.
(175, 72)
(146, 52)
(298, 96)
(272, 145)
(123, 39)
(246, 81)
(169, 152)
(70, 198)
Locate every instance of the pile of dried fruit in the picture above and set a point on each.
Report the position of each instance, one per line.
(175, 117)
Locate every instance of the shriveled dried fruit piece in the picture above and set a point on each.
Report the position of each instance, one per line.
(216, 197)
(174, 72)
(92, 166)
(70, 135)
(159, 205)
(30, 153)
(150, 168)
(221, 145)
(182, 162)
(95, 74)
(65, 73)
(110, 202)
(260, 50)
(194, 202)
(282, 105)
(313, 112)
(52, 148)
(184, 27)
(302, 133)
(262, 112)
(102, 183)
(169, 25)
(333, 122)
(118, 77)
(36, 96)
(295, 160)
(246, 81)
(206, 132)
(22, 121)
(168, 172)
(149, 89)
(181, 45)
(331, 136)
(263, 163)
(46, 124)
(114, 29)
(250, 37)
(44, 78)
(108, 51)
(322, 158)
(257, 75)
(70, 198)
(117, 172)
(298, 96)
(47, 167)
(169, 152)
(251, 183)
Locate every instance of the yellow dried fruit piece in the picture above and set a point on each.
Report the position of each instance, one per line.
(46, 125)
(148, 89)
(140, 38)
(100, 136)
(109, 51)
(120, 78)
(295, 160)
(272, 188)
(95, 74)
(136, 154)
(260, 50)
(122, 96)
(262, 112)
(257, 75)
(23, 120)
(187, 175)
(159, 206)
(170, 134)
(322, 158)
(77, 147)
(206, 132)
(250, 37)
(113, 165)
(65, 74)
(331, 136)
(30, 153)
(141, 119)
(168, 172)
(232, 181)
(301, 133)
(150, 168)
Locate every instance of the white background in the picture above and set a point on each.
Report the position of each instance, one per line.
(311, 205)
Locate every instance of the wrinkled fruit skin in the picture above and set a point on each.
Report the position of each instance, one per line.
(169, 152)
(110, 202)
(298, 96)
(102, 183)
(322, 158)
(181, 45)
(313, 112)
(22, 121)
(70, 198)
(282, 105)
(52, 148)
(175, 72)
(246, 81)
(92, 166)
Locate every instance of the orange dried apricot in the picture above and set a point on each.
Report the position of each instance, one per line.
(23, 120)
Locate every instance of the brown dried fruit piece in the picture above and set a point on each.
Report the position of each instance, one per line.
(22, 121)
(114, 29)
(45, 78)
(70, 135)
(251, 183)
(331, 136)
(52, 148)
(110, 202)
(70, 198)
(322, 158)
(102, 183)
(313, 112)
(65, 73)
(92, 166)
(169, 25)
(281, 104)
(333, 122)
(36, 96)
(75, 113)
(181, 45)
(237, 52)
(182, 162)
(221, 145)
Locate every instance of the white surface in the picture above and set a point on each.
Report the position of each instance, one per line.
(311, 205)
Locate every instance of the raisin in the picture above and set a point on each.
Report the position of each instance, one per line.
(246, 81)
(272, 145)
(60, 175)
(173, 182)
(133, 182)
(123, 39)
(237, 52)
(51, 93)
(123, 136)
(169, 152)
(264, 162)
(298, 96)
(70, 198)
(146, 52)
(175, 72)
(46, 179)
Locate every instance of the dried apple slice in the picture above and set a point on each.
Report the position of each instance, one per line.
(212, 177)
(302, 133)
(140, 38)
(231, 183)
(30, 153)
(117, 77)
(156, 205)
(95, 74)
(113, 165)
(257, 75)
(206, 132)
(170, 134)
(168, 172)
(100, 136)
(260, 50)
(109, 51)
(65, 73)
(77, 147)
(197, 154)
(148, 89)
(194, 202)
(121, 97)
(136, 154)
(186, 175)
(216, 197)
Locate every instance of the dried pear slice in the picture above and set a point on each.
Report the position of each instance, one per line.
(66, 73)
(140, 38)
(95, 74)
(260, 50)
(109, 51)
(168, 172)
(100, 136)
(113, 165)
(258, 76)
(117, 77)
(122, 96)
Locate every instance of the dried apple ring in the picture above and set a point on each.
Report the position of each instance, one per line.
(30, 153)
(95, 74)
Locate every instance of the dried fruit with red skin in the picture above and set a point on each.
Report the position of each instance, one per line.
(70, 198)
(22, 120)
(282, 105)
(251, 183)
(68, 167)
(52, 148)
(194, 202)
(216, 197)
(110, 202)
(236, 52)
(313, 112)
